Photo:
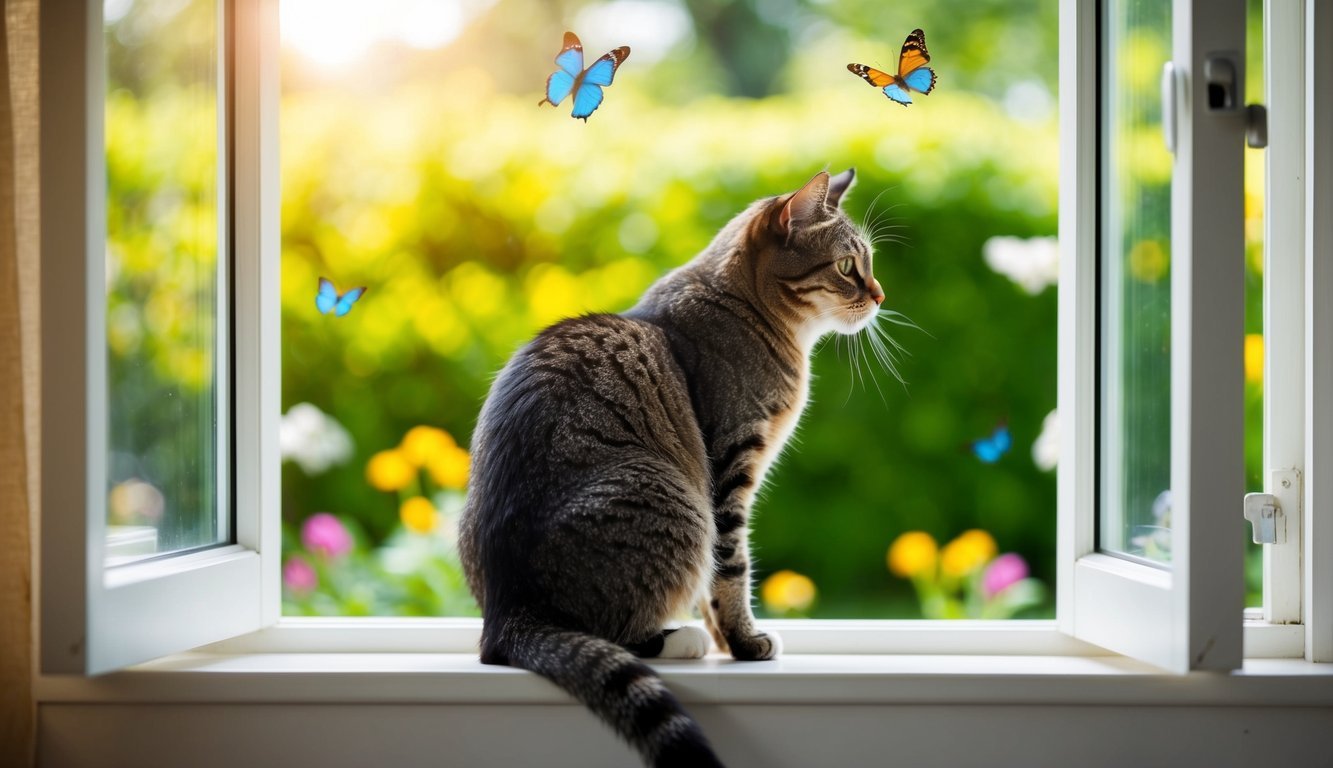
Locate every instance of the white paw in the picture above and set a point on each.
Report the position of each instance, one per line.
(687, 642)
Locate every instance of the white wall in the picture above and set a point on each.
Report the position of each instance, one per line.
(746, 736)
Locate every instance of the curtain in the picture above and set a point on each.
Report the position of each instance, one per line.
(18, 374)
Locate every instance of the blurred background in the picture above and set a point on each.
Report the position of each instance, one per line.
(415, 161)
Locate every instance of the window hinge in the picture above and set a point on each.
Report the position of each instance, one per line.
(1265, 511)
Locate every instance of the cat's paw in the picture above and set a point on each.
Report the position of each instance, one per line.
(757, 647)
(688, 642)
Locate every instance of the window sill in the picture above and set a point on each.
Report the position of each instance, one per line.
(457, 678)
(433, 661)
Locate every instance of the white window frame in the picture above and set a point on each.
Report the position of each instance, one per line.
(1317, 500)
(1284, 311)
(239, 586)
(95, 619)
(1186, 617)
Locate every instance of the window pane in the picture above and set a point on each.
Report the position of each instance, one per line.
(163, 279)
(1135, 322)
(1254, 301)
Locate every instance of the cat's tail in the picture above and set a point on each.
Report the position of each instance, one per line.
(619, 688)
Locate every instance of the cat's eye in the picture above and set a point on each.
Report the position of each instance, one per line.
(845, 265)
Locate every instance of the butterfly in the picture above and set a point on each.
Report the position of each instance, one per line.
(585, 84)
(328, 300)
(913, 74)
(989, 449)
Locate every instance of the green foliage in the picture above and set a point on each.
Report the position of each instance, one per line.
(476, 218)
(162, 247)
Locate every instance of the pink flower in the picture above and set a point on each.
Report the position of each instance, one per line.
(1004, 571)
(299, 576)
(323, 534)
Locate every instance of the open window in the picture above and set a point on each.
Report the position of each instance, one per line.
(158, 442)
(1151, 328)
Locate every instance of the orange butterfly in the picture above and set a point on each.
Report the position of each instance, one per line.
(913, 74)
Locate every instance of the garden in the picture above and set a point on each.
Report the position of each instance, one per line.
(422, 168)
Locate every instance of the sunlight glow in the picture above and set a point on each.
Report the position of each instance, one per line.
(651, 28)
(337, 32)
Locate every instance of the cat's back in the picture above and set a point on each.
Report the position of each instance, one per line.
(588, 390)
(593, 407)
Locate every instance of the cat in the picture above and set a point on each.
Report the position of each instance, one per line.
(616, 458)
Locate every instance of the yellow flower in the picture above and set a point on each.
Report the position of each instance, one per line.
(418, 514)
(912, 554)
(787, 591)
(1148, 262)
(968, 552)
(422, 443)
(450, 468)
(1254, 357)
(389, 470)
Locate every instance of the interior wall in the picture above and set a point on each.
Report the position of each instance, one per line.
(745, 735)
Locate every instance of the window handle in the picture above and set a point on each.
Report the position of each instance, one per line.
(1169, 79)
(1221, 82)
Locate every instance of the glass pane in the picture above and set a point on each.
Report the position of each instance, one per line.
(1135, 322)
(1254, 300)
(163, 279)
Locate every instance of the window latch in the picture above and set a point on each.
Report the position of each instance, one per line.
(1268, 522)
(1262, 511)
(1222, 81)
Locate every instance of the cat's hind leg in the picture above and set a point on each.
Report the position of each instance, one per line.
(688, 642)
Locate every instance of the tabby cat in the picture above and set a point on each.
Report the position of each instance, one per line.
(616, 458)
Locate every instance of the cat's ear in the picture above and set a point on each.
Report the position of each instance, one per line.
(805, 205)
(838, 186)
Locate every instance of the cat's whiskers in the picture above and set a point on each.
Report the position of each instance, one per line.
(870, 209)
(888, 239)
(886, 350)
(891, 347)
(858, 359)
(885, 232)
(887, 354)
(877, 352)
(878, 224)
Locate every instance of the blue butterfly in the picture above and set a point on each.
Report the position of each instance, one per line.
(913, 74)
(989, 449)
(328, 300)
(586, 85)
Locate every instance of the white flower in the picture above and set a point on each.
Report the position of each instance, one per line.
(1161, 508)
(1033, 263)
(1046, 448)
(313, 439)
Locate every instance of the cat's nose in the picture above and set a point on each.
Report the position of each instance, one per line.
(876, 292)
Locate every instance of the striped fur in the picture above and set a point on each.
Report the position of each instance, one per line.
(621, 690)
(617, 457)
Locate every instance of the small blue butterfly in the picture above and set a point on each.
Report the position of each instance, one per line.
(328, 300)
(586, 85)
(989, 449)
(913, 74)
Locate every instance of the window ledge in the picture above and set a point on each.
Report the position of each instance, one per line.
(454, 678)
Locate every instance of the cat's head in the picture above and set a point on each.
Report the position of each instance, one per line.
(813, 265)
